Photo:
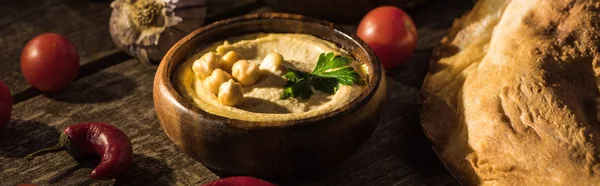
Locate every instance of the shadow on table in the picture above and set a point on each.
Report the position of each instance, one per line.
(431, 29)
(219, 173)
(21, 137)
(99, 88)
(147, 171)
(74, 172)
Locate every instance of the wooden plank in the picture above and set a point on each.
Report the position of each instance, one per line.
(345, 11)
(121, 95)
(85, 23)
(219, 9)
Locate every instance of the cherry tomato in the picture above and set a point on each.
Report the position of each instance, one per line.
(239, 181)
(5, 105)
(49, 62)
(391, 33)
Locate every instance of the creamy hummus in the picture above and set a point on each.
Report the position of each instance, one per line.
(262, 100)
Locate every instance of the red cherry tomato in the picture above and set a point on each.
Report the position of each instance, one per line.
(49, 62)
(5, 105)
(239, 181)
(391, 33)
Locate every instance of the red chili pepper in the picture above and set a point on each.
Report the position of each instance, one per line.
(96, 139)
(239, 181)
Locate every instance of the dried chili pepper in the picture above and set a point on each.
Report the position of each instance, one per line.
(86, 140)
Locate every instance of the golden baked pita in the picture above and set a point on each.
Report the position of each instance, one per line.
(512, 94)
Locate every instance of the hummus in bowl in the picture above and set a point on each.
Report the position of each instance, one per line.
(262, 101)
(267, 134)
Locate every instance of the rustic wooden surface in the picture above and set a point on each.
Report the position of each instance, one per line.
(114, 88)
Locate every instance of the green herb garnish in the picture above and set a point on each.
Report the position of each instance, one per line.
(330, 72)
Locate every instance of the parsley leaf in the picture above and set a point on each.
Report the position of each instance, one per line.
(326, 85)
(329, 73)
(297, 85)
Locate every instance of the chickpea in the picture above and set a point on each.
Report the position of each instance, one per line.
(204, 66)
(214, 81)
(230, 93)
(244, 72)
(229, 59)
(272, 64)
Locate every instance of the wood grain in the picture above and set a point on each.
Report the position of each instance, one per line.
(120, 95)
(221, 9)
(336, 10)
(85, 23)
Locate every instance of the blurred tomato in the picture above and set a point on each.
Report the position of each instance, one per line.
(391, 33)
(49, 62)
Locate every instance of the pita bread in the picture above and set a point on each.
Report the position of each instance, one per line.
(512, 94)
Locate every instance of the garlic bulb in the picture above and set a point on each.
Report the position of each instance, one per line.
(147, 29)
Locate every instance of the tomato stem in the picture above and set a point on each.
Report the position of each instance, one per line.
(63, 143)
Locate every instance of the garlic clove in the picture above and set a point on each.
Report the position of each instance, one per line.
(272, 63)
(214, 81)
(244, 72)
(229, 59)
(230, 93)
(204, 66)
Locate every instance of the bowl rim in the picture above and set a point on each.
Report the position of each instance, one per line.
(175, 97)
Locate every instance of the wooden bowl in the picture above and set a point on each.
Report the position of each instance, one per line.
(268, 149)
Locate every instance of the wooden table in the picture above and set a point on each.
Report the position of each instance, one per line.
(112, 87)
